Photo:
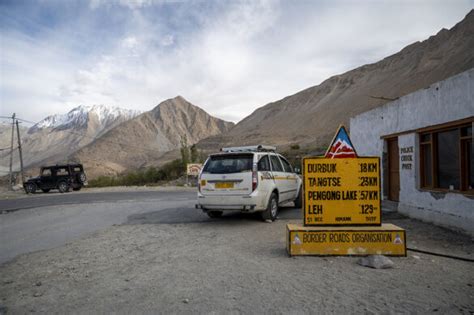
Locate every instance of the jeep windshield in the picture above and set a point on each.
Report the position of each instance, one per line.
(226, 164)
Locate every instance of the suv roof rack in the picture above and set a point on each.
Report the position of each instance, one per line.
(250, 148)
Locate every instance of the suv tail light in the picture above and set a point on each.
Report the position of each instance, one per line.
(254, 177)
(201, 182)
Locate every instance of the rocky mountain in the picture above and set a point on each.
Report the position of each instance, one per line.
(310, 117)
(145, 138)
(99, 118)
(57, 136)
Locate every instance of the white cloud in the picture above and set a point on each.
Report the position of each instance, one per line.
(168, 40)
(131, 4)
(229, 61)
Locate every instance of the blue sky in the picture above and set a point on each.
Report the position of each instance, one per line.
(228, 57)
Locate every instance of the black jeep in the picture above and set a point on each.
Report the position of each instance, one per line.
(61, 177)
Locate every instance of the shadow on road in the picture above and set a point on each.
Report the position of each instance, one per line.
(191, 215)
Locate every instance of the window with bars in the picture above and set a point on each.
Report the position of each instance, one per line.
(446, 159)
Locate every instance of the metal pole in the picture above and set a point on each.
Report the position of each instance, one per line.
(11, 152)
(21, 155)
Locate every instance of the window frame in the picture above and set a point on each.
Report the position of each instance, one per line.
(271, 163)
(283, 161)
(264, 156)
(464, 141)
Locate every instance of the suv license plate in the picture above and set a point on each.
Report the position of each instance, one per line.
(225, 185)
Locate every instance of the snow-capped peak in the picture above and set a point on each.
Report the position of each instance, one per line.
(79, 116)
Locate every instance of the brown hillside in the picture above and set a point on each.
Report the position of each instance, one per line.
(143, 139)
(310, 117)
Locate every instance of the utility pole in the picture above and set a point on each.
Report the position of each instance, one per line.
(11, 152)
(21, 155)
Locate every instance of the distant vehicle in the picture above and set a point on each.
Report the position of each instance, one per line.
(61, 177)
(249, 179)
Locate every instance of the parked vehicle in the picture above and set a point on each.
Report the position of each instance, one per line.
(61, 177)
(249, 179)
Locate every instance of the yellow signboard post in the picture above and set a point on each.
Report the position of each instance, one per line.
(341, 191)
(342, 206)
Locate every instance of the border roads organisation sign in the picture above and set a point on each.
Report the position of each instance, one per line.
(387, 239)
(341, 191)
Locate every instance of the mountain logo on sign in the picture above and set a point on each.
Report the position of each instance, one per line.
(341, 146)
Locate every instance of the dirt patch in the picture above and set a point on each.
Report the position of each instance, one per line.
(232, 265)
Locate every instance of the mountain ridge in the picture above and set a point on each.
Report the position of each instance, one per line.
(310, 116)
(152, 134)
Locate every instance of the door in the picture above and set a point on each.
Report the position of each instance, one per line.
(46, 178)
(291, 183)
(279, 176)
(393, 170)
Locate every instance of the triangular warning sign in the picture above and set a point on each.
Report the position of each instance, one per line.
(341, 146)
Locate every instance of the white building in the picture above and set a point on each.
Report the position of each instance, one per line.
(425, 143)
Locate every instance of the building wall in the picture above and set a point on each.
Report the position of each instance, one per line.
(442, 102)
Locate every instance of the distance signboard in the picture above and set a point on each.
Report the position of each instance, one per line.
(341, 191)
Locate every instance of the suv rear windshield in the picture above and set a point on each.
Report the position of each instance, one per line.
(232, 163)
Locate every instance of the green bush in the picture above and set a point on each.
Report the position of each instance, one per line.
(151, 175)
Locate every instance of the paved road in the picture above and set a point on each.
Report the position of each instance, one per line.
(47, 221)
(56, 198)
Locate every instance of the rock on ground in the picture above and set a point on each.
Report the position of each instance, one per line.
(376, 262)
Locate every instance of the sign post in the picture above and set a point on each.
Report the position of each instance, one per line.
(341, 191)
(192, 169)
(342, 206)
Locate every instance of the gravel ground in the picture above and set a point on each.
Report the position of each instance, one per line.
(235, 264)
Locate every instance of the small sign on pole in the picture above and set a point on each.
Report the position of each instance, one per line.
(193, 169)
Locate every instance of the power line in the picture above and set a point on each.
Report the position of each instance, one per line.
(3, 149)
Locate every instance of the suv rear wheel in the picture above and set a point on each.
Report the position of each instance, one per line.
(30, 188)
(63, 187)
(272, 209)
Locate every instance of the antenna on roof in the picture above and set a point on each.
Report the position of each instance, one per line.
(250, 148)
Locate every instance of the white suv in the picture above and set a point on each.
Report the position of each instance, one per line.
(249, 179)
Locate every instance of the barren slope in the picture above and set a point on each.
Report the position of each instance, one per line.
(146, 137)
(311, 116)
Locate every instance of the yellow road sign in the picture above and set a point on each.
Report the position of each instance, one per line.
(387, 239)
(341, 191)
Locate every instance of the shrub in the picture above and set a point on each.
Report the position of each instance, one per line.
(169, 171)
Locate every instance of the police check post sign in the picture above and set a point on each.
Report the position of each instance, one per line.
(341, 191)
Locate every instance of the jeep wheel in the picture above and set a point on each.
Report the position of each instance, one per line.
(214, 214)
(272, 209)
(30, 188)
(45, 190)
(298, 200)
(63, 187)
(81, 177)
